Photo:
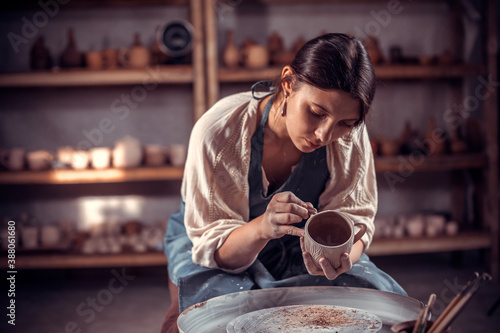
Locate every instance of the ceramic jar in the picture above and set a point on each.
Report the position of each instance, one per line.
(13, 159)
(71, 57)
(231, 53)
(39, 160)
(137, 56)
(256, 56)
(127, 153)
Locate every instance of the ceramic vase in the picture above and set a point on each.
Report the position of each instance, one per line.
(231, 54)
(71, 57)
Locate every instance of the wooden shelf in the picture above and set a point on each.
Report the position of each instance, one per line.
(31, 4)
(379, 247)
(406, 163)
(42, 261)
(465, 241)
(91, 176)
(382, 164)
(382, 72)
(83, 77)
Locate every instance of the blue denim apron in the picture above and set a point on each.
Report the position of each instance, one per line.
(280, 263)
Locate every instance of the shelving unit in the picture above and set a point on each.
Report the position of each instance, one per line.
(90, 176)
(173, 74)
(206, 76)
(485, 163)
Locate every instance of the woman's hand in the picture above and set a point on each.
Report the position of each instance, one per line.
(326, 268)
(284, 209)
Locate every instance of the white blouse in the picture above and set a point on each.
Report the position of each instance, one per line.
(215, 185)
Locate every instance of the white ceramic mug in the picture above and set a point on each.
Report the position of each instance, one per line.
(329, 234)
(100, 157)
(50, 235)
(13, 159)
(65, 155)
(177, 154)
(80, 159)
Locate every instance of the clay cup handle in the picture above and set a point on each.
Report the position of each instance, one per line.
(361, 231)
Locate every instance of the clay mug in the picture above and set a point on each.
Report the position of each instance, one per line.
(80, 159)
(127, 153)
(13, 159)
(154, 155)
(50, 235)
(65, 154)
(39, 159)
(329, 234)
(93, 59)
(255, 56)
(100, 157)
(177, 154)
(109, 58)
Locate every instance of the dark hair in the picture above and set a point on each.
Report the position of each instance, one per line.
(334, 61)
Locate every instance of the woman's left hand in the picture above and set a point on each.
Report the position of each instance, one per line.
(326, 268)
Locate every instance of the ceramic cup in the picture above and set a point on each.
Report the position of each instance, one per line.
(39, 159)
(29, 237)
(93, 59)
(65, 155)
(13, 159)
(109, 58)
(154, 155)
(135, 57)
(50, 235)
(177, 154)
(80, 159)
(329, 234)
(100, 157)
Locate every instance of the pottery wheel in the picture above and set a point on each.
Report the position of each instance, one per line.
(214, 315)
(306, 319)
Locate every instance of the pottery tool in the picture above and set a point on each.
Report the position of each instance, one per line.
(453, 309)
(421, 322)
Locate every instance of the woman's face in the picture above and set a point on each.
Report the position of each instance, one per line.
(316, 118)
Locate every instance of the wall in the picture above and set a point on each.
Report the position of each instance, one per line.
(48, 118)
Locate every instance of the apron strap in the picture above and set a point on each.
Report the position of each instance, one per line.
(267, 85)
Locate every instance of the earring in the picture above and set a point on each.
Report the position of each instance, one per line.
(283, 110)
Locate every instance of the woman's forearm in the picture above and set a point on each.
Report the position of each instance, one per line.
(241, 247)
(357, 251)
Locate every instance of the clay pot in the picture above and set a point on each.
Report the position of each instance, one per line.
(373, 49)
(231, 54)
(127, 153)
(137, 56)
(71, 57)
(274, 46)
(297, 45)
(389, 147)
(39, 56)
(435, 139)
(256, 56)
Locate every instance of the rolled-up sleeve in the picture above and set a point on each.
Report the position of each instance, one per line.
(215, 187)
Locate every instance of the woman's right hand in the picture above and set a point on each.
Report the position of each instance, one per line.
(284, 209)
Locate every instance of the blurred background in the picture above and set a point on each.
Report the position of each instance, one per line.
(98, 99)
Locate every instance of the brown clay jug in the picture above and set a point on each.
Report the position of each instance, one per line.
(231, 54)
(71, 57)
(435, 139)
(40, 57)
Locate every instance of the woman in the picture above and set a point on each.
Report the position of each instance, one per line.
(259, 165)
